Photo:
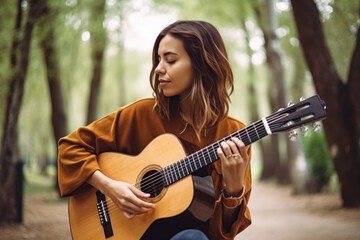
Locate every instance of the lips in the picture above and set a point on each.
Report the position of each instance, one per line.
(163, 82)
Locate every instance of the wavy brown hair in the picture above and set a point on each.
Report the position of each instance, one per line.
(213, 78)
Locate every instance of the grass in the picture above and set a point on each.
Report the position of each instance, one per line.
(34, 182)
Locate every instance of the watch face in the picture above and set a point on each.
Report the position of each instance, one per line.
(231, 202)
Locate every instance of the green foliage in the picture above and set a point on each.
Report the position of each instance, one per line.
(318, 159)
(132, 66)
(341, 20)
(36, 183)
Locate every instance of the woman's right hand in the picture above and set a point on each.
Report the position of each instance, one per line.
(126, 196)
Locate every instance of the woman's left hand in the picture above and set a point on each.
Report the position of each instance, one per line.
(234, 161)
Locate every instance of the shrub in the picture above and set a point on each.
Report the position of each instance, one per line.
(318, 159)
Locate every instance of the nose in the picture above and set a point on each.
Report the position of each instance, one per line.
(159, 70)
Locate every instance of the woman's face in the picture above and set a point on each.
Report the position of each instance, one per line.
(174, 68)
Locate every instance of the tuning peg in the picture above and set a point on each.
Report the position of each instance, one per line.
(293, 135)
(302, 99)
(316, 127)
(290, 104)
(304, 130)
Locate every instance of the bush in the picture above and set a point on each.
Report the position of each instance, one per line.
(318, 159)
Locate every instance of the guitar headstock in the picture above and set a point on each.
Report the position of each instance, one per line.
(310, 110)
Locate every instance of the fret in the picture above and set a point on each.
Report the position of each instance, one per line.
(257, 134)
(167, 180)
(176, 171)
(239, 136)
(212, 152)
(248, 136)
(186, 166)
(196, 157)
(180, 171)
(192, 163)
(208, 155)
(170, 174)
(182, 163)
(173, 173)
(191, 156)
(202, 157)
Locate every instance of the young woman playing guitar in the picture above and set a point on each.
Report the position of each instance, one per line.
(192, 80)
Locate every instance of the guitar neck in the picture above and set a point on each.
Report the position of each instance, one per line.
(285, 119)
(208, 155)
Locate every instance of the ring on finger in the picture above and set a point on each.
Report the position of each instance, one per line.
(235, 155)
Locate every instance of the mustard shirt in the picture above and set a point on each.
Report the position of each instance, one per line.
(129, 130)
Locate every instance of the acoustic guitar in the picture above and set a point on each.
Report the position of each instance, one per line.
(163, 170)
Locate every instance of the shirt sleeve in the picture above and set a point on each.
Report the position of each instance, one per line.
(77, 153)
(216, 229)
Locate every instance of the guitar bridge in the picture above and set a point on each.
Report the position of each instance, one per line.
(104, 214)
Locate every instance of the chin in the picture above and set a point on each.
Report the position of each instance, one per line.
(168, 94)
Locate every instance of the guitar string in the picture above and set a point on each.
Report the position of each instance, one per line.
(250, 133)
(177, 167)
(181, 166)
(176, 170)
(155, 180)
(157, 177)
(111, 204)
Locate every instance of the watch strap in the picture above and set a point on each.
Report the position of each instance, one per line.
(232, 201)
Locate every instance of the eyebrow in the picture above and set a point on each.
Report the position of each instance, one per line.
(168, 53)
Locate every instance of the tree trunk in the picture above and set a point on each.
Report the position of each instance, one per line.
(272, 163)
(58, 113)
(9, 154)
(279, 166)
(342, 126)
(253, 105)
(98, 42)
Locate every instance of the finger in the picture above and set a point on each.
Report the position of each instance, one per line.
(131, 208)
(233, 147)
(128, 215)
(241, 147)
(220, 153)
(139, 206)
(138, 192)
(226, 148)
(135, 201)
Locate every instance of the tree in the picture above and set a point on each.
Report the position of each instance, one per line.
(342, 126)
(9, 152)
(265, 17)
(98, 44)
(50, 55)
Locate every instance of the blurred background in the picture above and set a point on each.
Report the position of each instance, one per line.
(66, 63)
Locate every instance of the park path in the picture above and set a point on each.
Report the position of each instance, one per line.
(277, 215)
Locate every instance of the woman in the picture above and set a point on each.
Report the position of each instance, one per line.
(192, 79)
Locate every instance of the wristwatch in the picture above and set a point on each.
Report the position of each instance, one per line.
(232, 201)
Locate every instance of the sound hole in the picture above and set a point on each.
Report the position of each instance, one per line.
(152, 182)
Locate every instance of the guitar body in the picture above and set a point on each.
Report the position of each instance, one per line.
(85, 217)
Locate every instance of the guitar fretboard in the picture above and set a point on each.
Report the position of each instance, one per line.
(208, 155)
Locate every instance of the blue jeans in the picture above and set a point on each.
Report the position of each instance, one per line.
(190, 234)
